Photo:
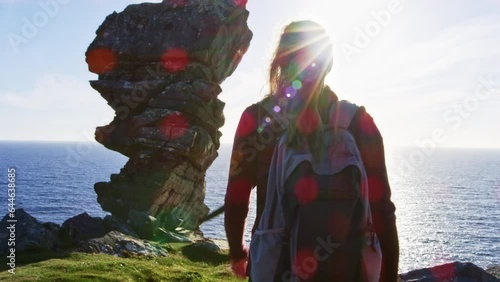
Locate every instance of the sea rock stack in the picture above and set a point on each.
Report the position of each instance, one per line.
(160, 66)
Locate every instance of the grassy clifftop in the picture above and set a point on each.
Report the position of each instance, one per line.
(182, 265)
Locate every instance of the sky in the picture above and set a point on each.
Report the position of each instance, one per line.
(427, 71)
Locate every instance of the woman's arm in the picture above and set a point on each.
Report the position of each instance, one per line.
(370, 144)
(241, 180)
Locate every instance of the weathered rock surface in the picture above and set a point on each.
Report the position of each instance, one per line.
(160, 66)
(205, 246)
(452, 272)
(113, 223)
(119, 244)
(30, 234)
(81, 228)
(494, 270)
(80, 233)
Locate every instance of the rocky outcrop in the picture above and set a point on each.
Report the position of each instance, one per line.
(113, 223)
(28, 234)
(160, 66)
(457, 271)
(81, 228)
(494, 270)
(119, 244)
(81, 233)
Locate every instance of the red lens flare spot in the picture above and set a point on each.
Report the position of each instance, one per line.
(179, 2)
(305, 263)
(101, 60)
(445, 272)
(240, 3)
(174, 126)
(175, 59)
(247, 125)
(306, 190)
(308, 121)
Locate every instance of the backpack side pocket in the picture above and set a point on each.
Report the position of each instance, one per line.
(265, 250)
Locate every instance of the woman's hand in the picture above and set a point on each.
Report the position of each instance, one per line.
(239, 267)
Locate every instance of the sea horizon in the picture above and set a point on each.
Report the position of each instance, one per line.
(228, 143)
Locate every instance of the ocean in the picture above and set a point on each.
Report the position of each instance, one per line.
(447, 200)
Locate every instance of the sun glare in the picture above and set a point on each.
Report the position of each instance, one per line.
(365, 66)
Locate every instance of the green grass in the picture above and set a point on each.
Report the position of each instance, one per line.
(182, 265)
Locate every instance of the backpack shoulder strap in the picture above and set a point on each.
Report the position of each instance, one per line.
(275, 111)
(342, 113)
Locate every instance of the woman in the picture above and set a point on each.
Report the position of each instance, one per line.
(300, 98)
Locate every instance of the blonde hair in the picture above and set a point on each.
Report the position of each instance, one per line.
(297, 36)
(300, 36)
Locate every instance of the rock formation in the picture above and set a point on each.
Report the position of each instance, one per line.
(118, 244)
(30, 234)
(494, 270)
(456, 271)
(81, 233)
(160, 66)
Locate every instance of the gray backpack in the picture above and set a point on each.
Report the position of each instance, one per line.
(316, 224)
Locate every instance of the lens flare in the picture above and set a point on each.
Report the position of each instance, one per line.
(306, 190)
(290, 92)
(175, 59)
(305, 264)
(174, 126)
(297, 84)
(101, 60)
(312, 51)
(316, 44)
(240, 3)
(445, 272)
